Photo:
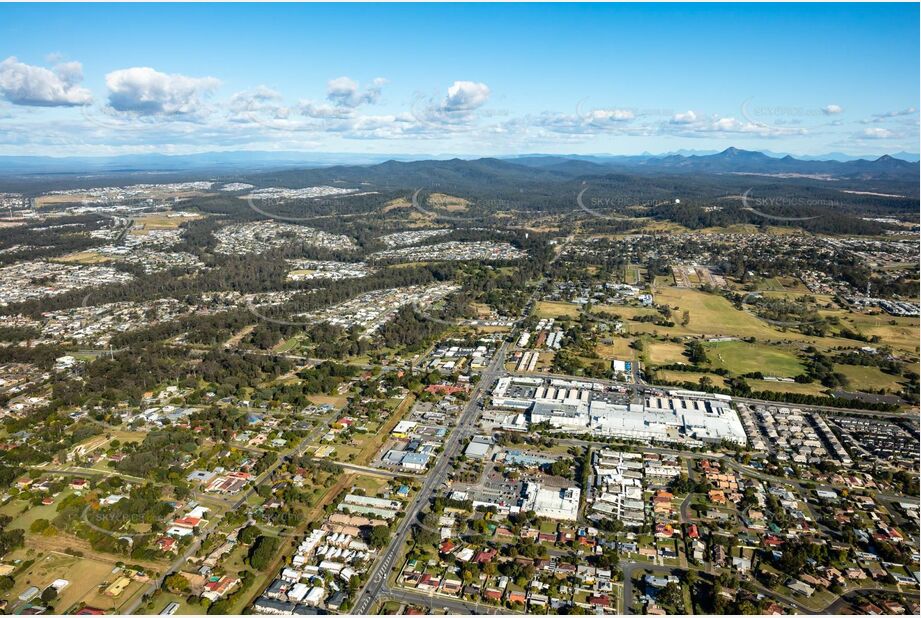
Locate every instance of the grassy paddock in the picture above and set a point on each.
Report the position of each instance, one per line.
(665, 353)
(556, 309)
(740, 358)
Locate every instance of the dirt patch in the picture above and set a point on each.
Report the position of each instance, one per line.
(61, 542)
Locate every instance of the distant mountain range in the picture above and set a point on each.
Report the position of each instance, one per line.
(831, 156)
(731, 160)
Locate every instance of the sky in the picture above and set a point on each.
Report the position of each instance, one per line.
(458, 79)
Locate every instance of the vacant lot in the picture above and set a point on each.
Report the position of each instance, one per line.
(336, 401)
(740, 358)
(624, 311)
(84, 575)
(690, 376)
(665, 353)
(712, 315)
(619, 348)
(815, 388)
(83, 257)
(158, 221)
(556, 309)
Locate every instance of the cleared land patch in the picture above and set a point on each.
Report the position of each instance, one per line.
(556, 309)
(690, 376)
(813, 388)
(665, 353)
(619, 348)
(450, 203)
(83, 257)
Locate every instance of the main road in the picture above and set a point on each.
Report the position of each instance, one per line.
(451, 605)
(466, 425)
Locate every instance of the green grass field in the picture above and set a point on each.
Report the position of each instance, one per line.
(740, 358)
(869, 378)
(712, 315)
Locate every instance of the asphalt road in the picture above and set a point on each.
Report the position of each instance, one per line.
(438, 603)
(377, 577)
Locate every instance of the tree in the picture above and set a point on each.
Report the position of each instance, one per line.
(248, 534)
(696, 353)
(671, 595)
(39, 525)
(176, 583)
(262, 552)
(380, 536)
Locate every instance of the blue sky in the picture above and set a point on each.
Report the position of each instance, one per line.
(458, 79)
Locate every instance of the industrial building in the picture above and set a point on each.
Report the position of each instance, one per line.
(687, 417)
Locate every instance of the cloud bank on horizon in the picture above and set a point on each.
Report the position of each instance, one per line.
(54, 106)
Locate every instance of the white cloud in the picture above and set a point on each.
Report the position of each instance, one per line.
(465, 96)
(145, 91)
(322, 110)
(610, 115)
(688, 117)
(690, 124)
(613, 121)
(346, 92)
(832, 109)
(908, 111)
(259, 98)
(458, 109)
(24, 84)
(877, 133)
